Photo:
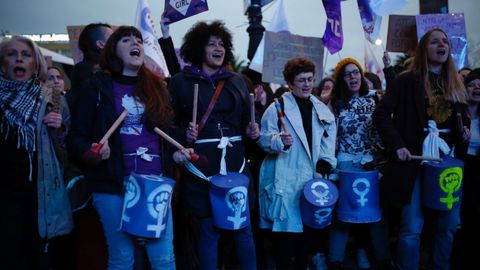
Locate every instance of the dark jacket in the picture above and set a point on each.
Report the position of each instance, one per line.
(80, 73)
(233, 114)
(168, 50)
(400, 118)
(90, 122)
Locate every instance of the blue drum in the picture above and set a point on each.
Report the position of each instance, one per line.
(146, 204)
(359, 196)
(229, 201)
(317, 202)
(442, 185)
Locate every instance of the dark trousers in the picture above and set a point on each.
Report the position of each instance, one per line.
(290, 250)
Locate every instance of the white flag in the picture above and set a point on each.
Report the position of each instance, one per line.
(279, 23)
(144, 22)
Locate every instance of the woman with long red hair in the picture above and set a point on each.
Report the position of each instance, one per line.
(124, 84)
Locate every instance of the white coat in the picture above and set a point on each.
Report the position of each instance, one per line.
(284, 172)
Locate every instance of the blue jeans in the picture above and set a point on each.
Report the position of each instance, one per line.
(339, 232)
(207, 246)
(411, 224)
(121, 244)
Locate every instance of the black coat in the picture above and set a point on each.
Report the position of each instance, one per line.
(94, 115)
(231, 111)
(400, 118)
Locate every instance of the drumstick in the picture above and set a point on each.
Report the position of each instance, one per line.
(193, 156)
(425, 158)
(280, 114)
(460, 122)
(252, 108)
(195, 101)
(96, 149)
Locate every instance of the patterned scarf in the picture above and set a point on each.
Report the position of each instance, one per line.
(20, 104)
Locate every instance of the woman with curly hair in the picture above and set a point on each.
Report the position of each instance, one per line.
(430, 96)
(303, 150)
(208, 49)
(124, 83)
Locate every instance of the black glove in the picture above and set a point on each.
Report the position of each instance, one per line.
(90, 158)
(323, 167)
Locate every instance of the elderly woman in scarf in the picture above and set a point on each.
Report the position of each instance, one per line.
(33, 199)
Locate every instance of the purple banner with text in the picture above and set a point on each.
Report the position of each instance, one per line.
(177, 10)
(454, 25)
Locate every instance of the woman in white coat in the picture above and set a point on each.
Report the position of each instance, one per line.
(297, 153)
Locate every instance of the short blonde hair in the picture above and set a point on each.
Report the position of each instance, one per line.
(40, 63)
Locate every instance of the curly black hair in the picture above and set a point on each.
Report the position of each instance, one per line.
(196, 39)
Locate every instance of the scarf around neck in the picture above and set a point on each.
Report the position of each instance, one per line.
(20, 105)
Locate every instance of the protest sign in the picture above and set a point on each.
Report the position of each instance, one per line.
(402, 35)
(177, 10)
(283, 46)
(454, 25)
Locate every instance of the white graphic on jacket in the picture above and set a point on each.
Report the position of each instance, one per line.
(132, 124)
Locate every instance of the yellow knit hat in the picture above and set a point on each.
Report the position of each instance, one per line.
(344, 62)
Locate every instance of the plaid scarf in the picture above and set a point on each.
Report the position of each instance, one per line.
(19, 105)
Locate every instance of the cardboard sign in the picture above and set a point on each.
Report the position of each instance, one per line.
(402, 33)
(283, 46)
(454, 25)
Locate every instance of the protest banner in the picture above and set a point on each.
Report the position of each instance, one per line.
(333, 35)
(454, 25)
(402, 33)
(154, 58)
(177, 10)
(283, 46)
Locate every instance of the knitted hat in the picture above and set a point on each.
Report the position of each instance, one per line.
(474, 74)
(345, 62)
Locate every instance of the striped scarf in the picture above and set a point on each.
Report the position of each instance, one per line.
(19, 105)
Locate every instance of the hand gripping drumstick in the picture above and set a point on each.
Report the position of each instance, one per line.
(280, 114)
(195, 101)
(193, 156)
(96, 149)
(252, 108)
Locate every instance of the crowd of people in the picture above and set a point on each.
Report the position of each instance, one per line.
(122, 127)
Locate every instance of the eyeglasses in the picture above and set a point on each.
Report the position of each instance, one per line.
(355, 72)
(304, 80)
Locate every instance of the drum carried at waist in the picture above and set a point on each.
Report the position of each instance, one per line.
(317, 202)
(146, 204)
(359, 196)
(442, 184)
(229, 201)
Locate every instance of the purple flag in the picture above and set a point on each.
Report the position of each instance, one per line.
(370, 21)
(333, 36)
(177, 10)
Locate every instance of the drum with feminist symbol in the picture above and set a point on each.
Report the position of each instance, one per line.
(442, 184)
(359, 196)
(229, 201)
(146, 204)
(318, 200)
